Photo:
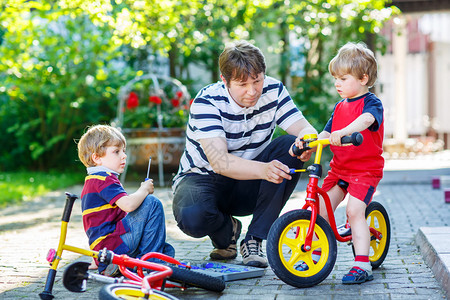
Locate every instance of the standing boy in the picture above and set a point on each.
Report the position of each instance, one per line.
(131, 224)
(361, 168)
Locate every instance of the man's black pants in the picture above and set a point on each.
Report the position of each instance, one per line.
(203, 204)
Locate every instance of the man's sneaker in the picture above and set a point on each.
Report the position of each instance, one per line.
(252, 254)
(231, 251)
(356, 275)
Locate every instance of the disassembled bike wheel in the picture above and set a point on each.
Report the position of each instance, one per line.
(130, 291)
(191, 278)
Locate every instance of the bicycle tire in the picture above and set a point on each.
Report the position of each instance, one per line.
(192, 278)
(119, 291)
(284, 249)
(377, 217)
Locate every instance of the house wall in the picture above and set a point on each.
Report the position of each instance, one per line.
(416, 92)
(441, 51)
(426, 73)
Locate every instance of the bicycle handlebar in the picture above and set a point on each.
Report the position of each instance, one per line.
(70, 200)
(356, 139)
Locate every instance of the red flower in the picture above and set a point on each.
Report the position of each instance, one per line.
(175, 102)
(155, 99)
(190, 102)
(133, 100)
(179, 94)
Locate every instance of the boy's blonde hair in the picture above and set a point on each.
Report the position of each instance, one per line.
(95, 140)
(355, 59)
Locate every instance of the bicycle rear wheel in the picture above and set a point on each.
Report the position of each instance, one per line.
(286, 254)
(378, 219)
(131, 292)
(191, 278)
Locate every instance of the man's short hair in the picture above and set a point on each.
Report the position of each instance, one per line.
(95, 140)
(240, 60)
(354, 59)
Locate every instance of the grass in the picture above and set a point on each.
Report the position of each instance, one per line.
(16, 187)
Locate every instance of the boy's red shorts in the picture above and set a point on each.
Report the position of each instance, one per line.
(361, 186)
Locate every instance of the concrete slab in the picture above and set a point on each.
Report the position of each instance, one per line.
(434, 244)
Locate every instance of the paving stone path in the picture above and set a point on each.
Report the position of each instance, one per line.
(29, 230)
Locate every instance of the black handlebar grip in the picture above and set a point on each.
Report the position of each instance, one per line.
(297, 151)
(70, 200)
(356, 139)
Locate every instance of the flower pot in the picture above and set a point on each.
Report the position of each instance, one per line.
(165, 146)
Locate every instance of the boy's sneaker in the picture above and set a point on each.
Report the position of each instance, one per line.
(357, 275)
(231, 251)
(112, 270)
(252, 254)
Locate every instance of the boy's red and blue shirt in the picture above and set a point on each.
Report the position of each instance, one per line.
(102, 218)
(365, 158)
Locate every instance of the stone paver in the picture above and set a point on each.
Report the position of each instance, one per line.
(28, 231)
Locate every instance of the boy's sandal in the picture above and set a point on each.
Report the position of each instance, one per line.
(302, 267)
(356, 275)
(112, 270)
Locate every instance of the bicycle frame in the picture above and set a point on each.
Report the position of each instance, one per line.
(154, 280)
(313, 190)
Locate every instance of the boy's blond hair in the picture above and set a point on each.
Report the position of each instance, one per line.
(355, 59)
(95, 140)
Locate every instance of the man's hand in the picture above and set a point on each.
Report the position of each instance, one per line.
(306, 155)
(275, 171)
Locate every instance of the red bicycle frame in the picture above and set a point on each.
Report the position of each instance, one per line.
(313, 200)
(153, 280)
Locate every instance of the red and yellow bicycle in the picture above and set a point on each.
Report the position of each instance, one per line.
(296, 234)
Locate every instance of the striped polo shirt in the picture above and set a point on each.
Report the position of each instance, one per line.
(102, 218)
(248, 131)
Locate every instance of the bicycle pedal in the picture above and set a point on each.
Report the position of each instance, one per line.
(344, 231)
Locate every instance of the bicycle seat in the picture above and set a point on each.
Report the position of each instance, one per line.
(342, 184)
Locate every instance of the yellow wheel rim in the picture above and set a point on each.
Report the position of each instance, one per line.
(290, 248)
(134, 294)
(377, 221)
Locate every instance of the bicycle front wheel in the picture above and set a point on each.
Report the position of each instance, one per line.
(286, 254)
(130, 292)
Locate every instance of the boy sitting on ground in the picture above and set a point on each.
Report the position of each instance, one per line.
(132, 224)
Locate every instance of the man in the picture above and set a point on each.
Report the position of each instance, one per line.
(231, 166)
